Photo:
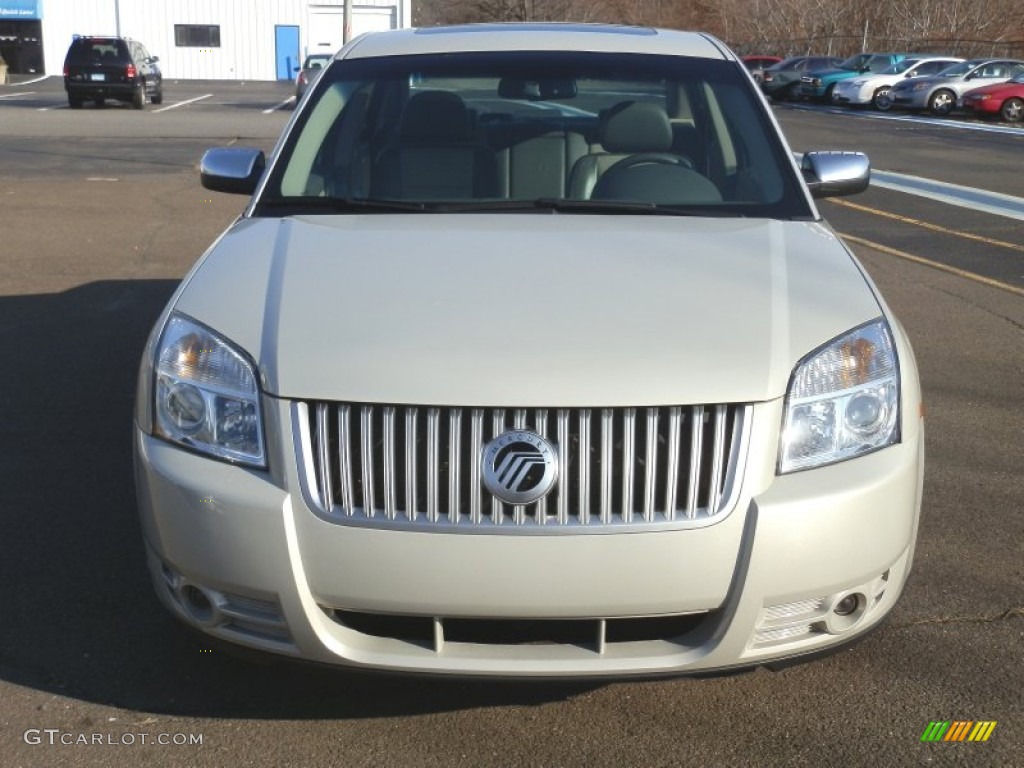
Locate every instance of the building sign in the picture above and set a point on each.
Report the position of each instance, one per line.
(21, 9)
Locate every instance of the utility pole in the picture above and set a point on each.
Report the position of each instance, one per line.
(117, 17)
(347, 35)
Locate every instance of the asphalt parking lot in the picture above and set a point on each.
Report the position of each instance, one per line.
(101, 214)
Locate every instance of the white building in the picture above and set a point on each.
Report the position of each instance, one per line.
(195, 39)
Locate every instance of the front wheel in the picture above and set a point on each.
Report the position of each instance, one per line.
(942, 102)
(881, 100)
(139, 97)
(1012, 110)
(158, 96)
(830, 94)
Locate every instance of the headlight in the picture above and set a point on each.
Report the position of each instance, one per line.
(843, 400)
(922, 87)
(982, 97)
(816, 82)
(206, 394)
(857, 83)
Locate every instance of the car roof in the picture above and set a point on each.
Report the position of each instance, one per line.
(552, 36)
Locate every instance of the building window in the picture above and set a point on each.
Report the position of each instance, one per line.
(197, 35)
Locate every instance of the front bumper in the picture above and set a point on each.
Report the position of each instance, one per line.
(846, 93)
(241, 554)
(909, 99)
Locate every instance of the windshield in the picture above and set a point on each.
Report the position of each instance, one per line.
(856, 63)
(903, 66)
(959, 69)
(94, 50)
(564, 132)
(317, 61)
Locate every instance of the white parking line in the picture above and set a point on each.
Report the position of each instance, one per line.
(976, 199)
(37, 80)
(183, 103)
(16, 93)
(282, 105)
(939, 122)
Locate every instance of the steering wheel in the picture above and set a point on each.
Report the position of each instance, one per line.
(650, 158)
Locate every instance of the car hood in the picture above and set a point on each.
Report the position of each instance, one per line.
(527, 309)
(832, 74)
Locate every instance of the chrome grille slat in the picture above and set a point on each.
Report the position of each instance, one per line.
(497, 427)
(454, 463)
(390, 481)
(628, 462)
(476, 441)
(433, 462)
(672, 461)
(540, 425)
(345, 459)
(717, 461)
(366, 459)
(607, 464)
(563, 464)
(323, 454)
(410, 463)
(388, 465)
(583, 512)
(651, 464)
(696, 441)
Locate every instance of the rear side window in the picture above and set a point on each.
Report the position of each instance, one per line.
(98, 51)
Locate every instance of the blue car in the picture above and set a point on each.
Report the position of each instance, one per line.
(820, 84)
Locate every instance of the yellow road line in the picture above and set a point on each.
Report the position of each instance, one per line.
(935, 264)
(928, 225)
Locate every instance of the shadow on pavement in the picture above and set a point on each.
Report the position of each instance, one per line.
(78, 613)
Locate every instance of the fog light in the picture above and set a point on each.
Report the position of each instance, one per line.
(846, 606)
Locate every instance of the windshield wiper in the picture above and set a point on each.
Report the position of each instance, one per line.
(299, 205)
(345, 204)
(561, 205)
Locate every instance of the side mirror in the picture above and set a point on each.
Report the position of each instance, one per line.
(834, 174)
(236, 170)
(154, 59)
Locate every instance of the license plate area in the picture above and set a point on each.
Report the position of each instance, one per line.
(97, 77)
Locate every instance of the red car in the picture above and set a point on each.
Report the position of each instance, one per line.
(758, 64)
(1003, 99)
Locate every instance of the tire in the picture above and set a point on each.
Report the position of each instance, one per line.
(157, 97)
(942, 102)
(139, 97)
(1012, 110)
(881, 100)
(830, 92)
(74, 102)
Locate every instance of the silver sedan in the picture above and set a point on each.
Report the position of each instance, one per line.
(939, 94)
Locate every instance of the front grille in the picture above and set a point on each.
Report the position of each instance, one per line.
(432, 633)
(412, 465)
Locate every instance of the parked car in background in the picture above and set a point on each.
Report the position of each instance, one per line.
(390, 420)
(757, 64)
(780, 82)
(939, 94)
(311, 67)
(101, 68)
(1003, 99)
(873, 89)
(819, 85)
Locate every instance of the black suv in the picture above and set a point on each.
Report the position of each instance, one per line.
(100, 68)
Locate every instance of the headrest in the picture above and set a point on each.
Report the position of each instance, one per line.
(636, 126)
(435, 116)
